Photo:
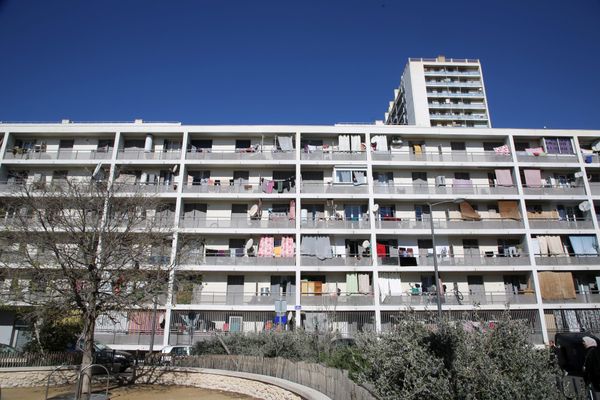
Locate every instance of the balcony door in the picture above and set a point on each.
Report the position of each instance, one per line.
(235, 289)
(476, 288)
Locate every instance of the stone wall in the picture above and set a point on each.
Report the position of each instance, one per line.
(35, 376)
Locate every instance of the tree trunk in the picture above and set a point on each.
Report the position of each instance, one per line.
(89, 325)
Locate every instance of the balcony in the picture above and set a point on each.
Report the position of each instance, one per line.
(230, 298)
(455, 83)
(453, 106)
(80, 155)
(333, 188)
(207, 154)
(556, 190)
(148, 155)
(595, 188)
(336, 261)
(462, 117)
(319, 155)
(327, 300)
(535, 223)
(451, 299)
(456, 261)
(334, 224)
(229, 258)
(454, 156)
(406, 223)
(146, 188)
(451, 73)
(123, 337)
(238, 223)
(547, 158)
(568, 259)
(454, 95)
(409, 189)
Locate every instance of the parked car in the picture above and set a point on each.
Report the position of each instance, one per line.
(7, 349)
(115, 360)
(168, 352)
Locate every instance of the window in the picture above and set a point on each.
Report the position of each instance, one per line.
(354, 176)
(385, 177)
(462, 175)
(104, 145)
(458, 146)
(200, 144)
(199, 177)
(242, 144)
(239, 209)
(312, 176)
(354, 212)
(521, 146)
(133, 144)
(421, 211)
(66, 144)
(282, 175)
(419, 177)
(558, 145)
(489, 146)
(241, 177)
(387, 211)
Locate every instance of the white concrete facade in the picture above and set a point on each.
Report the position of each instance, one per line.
(220, 174)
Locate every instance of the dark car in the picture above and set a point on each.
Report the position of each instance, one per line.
(114, 360)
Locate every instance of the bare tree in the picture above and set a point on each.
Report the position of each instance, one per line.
(89, 248)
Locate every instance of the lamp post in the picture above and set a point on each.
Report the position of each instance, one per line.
(435, 263)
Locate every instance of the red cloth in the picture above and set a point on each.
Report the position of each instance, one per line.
(381, 250)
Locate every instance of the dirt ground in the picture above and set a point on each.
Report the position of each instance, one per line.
(130, 393)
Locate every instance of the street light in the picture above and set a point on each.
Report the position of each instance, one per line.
(435, 264)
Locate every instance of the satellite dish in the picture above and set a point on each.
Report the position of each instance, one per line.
(375, 208)
(366, 244)
(175, 168)
(253, 211)
(97, 170)
(249, 244)
(596, 146)
(373, 139)
(584, 206)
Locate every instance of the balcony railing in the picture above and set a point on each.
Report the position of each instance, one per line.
(229, 257)
(207, 154)
(458, 116)
(60, 155)
(123, 337)
(336, 260)
(568, 259)
(229, 187)
(334, 155)
(446, 73)
(453, 83)
(146, 188)
(455, 106)
(382, 188)
(239, 223)
(334, 224)
(336, 299)
(148, 155)
(547, 158)
(231, 298)
(557, 190)
(595, 188)
(409, 223)
(535, 223)
(580, 298)
(453, 156)
(471, 299)
(450, 94)
(339, 188)
(456, 260)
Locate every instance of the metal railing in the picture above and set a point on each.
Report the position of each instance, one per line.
(455, 260)
(547, 158)
(537, 223)
(450, 94)
(229, 258)
(333, 299)
(457, 106)
(334, 224)
(449, 298)
(240, 223)
(124, 337)
(336, 260)
(580, 297)
(431, 83)
(568, 259)
(560, 190)
(410, 189)
(334, 155)
(595, 188)
(445, 73)
(340, 188)
(453, 156)
(410, 223)
(458, 116)
(59, 155)
(209, 154)
(231, 298)
(226, 187)
(146, 188)
(126, 154)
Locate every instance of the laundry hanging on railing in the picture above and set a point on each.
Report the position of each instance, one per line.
(548, 245)
(509, 209)
(503, 177)
(363, 284)
(285, 143)
(467, 212)
(380, 142)
(533, 177)
(504, 150)
(319, 246)
(389, 283)
(462, 183)
(556, 285)
(584, 245)
(344, 142)
(355, 142)
(534, 151)
(279, 185)
(352, 282)
(292, 211)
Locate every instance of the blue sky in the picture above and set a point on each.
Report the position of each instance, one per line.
(284, 62)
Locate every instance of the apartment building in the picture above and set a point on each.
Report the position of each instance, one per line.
(335, 221)
(440, 92)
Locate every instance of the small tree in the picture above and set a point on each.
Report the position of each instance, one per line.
(84, 247)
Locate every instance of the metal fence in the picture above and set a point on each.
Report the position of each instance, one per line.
(332, 382)
(18, 360)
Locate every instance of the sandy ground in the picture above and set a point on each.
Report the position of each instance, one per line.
(131, 393)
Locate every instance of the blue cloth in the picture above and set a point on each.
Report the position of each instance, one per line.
(584, 245)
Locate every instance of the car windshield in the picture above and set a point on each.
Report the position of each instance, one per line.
(101, 346)
(6, 349)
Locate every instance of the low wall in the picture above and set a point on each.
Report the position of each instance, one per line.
(258, 386)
